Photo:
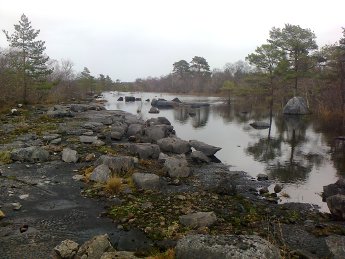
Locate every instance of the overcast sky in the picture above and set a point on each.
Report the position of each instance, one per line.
(129, 39)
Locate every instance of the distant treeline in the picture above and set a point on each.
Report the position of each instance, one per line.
(289, 63)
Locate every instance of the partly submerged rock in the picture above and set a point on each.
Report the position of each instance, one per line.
(199, 157)
(260, 125)
(332, 189)
(154, 110)
(296, 106)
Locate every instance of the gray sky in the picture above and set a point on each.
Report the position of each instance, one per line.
(140, 38)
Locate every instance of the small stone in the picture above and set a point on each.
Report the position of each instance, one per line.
(77, 177)
(263, 190)
(181, 197)
(278, 188)
(90, 157)
(262, 177)
(23, 196)
(119, 227)
(16, 206)
(2, 215)
(24, 228)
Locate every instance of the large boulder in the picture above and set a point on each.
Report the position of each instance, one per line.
(146, 181)
(129, 99)
(145, 150)
(158, 121)
(335, 244)
(156, 132)
(59, 111)
(335, 188)
(66, 249)
(225, 247)
(118, 164)
(95, 248)
(101, 174)
(134, 129)
(296, 106)
(30, 154)
(260, 125)
(199, 157)
(69, 155)
(174, 145)
(198, 219)
(208, 150)
(161, 103)
(336, 205)
(177, 166)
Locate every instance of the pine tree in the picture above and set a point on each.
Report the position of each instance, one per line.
(29, 59)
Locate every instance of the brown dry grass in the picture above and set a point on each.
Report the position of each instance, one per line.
(113, 185)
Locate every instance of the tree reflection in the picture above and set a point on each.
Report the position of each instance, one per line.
(198, 116)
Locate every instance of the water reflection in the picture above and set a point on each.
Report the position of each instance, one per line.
(293, 150)
(198, 116)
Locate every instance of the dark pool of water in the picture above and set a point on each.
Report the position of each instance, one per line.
(298, 152)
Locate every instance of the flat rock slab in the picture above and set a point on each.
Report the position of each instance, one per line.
(225, 247)
(199, 219)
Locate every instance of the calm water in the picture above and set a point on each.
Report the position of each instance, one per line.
(299, 152)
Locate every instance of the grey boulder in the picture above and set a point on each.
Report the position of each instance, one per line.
(66, 249)
(177, 166)
(199, 157)
(336, 205)
(118, 164)
(95, 248)
(30, 154)
(134, 129)
(154, 110)
(69, 155)
(145, 150)
(146, 181)
(208, 150)
(88, 139)
(101, 174)
(260, 125)
(296, 106)
(174, 145)
(156, 132)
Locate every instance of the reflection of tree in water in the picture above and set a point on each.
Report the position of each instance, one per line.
(199, 116)
(290, 171)
(181, 114)
(266, 149)
(294, 166)
(331, 128)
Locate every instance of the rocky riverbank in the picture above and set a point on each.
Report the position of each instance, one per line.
(78, 172)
